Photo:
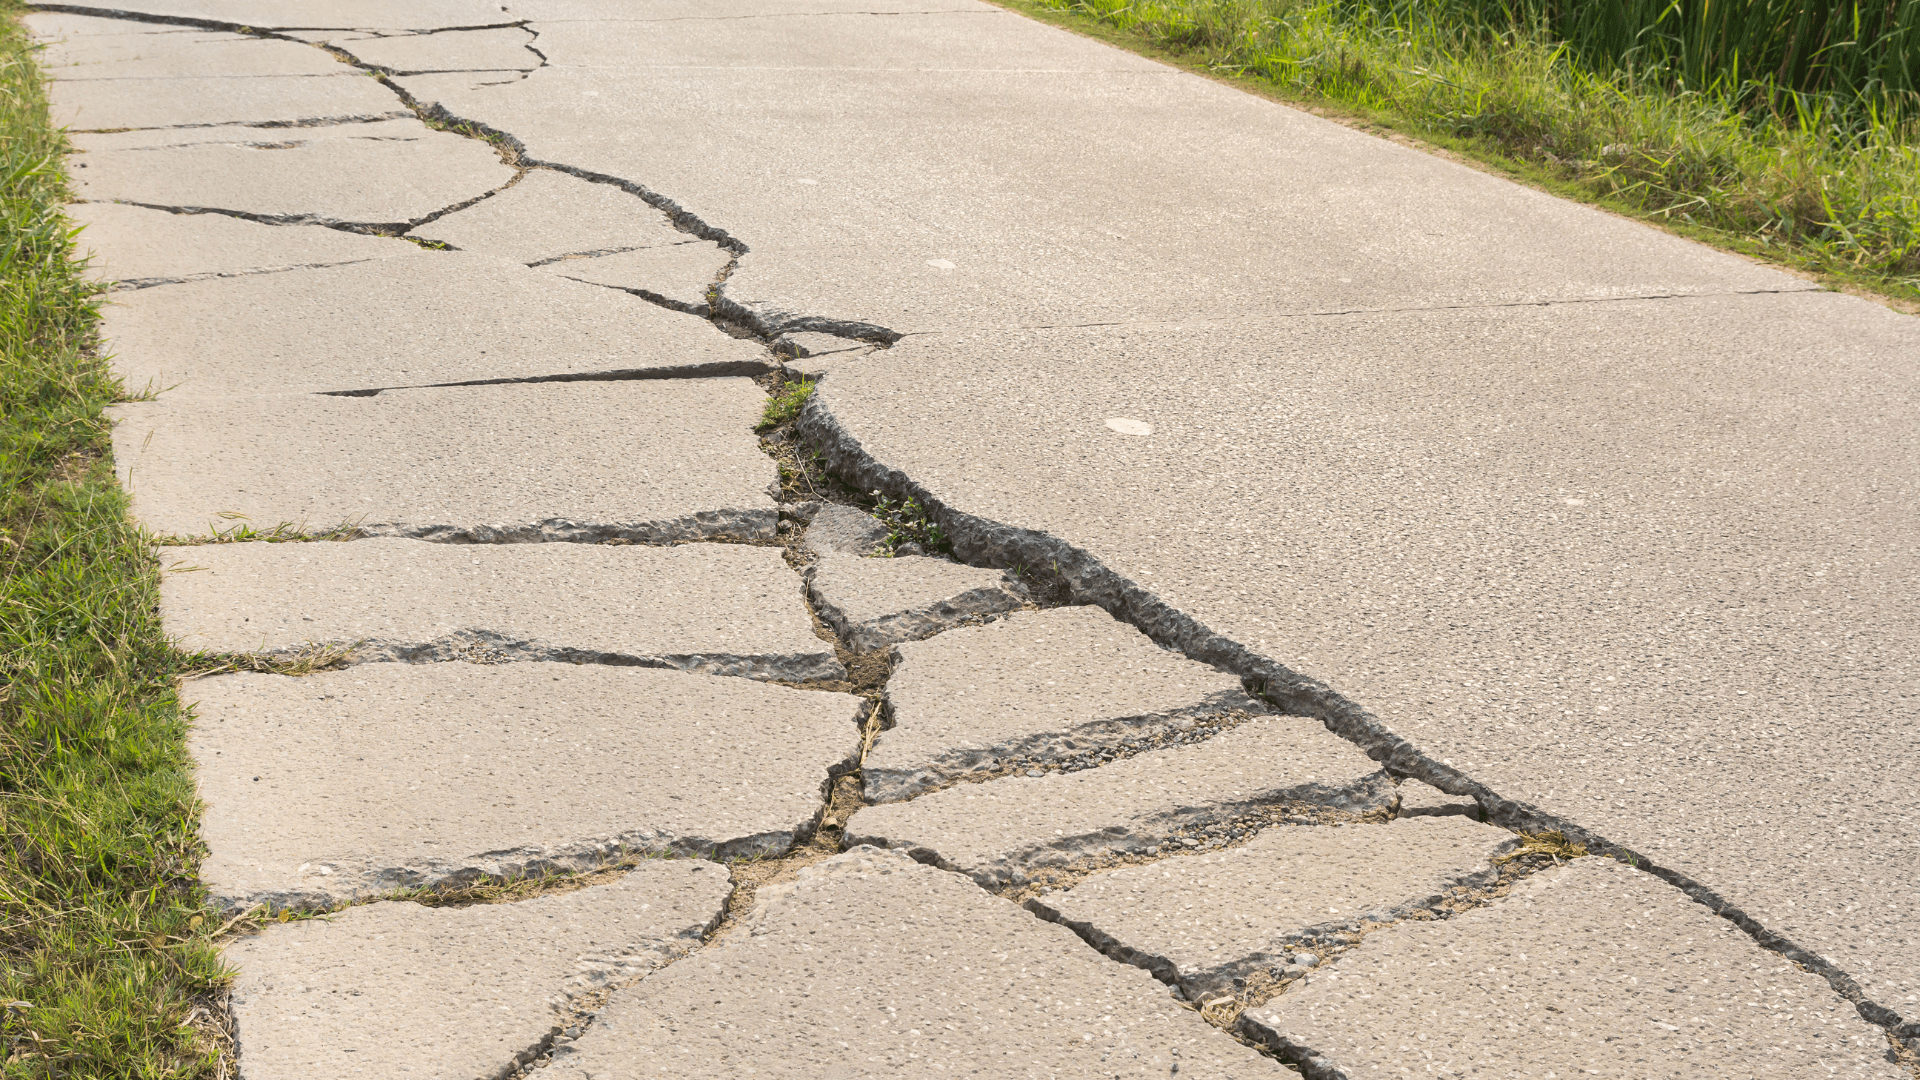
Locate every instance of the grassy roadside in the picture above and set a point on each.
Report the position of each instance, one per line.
(104, 956)
(1832, 194)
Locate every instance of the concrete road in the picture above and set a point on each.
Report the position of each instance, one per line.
(1607, 525)
(1611, 531)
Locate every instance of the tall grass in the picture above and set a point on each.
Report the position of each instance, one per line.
(1812, 178)
(104, 952)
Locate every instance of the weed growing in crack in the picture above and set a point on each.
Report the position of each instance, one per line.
(785, 404)
(908, 523)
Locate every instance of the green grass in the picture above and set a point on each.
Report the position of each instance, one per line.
(1822, 181)
(104, 949)
(785, 403)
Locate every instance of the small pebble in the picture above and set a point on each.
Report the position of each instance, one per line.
(1305, 959)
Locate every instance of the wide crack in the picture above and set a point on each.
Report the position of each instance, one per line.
(1074, 575)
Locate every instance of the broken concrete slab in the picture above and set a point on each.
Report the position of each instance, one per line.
(807, 988)
(1588, 968)
(278, 104)
(1069, 686)
(1013, 829)
(306, 15)
(136, 247)
(1210, 920)
(678, 275)
(390, 324)
(653, 461)
(1424, 800)
(380, 989)
(345, 784)
(724, 609)
(79, 47)
(504, 49)
(548, 214)
(844, 529)
(875, 602)
(391, 174)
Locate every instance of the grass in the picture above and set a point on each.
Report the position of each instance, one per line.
(785, 403)
(105, 953)
(1823, 181)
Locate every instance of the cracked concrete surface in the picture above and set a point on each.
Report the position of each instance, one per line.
(138, 247)
(346, 784)
(1597, 968)
(390, 174)
(1002, 831)
(720, 608)
(961, 981)
(1207, 920)
(390, 323)
(487, 464)
(389, 989)
(1059, 684)
(877, 601)
(1588, 525)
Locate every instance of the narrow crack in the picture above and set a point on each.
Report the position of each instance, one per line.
(131, 284)
(127, 15)
(303, 122)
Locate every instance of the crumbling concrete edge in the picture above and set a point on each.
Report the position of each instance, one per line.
(990, 543)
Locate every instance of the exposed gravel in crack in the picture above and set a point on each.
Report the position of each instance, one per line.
(1086, 579)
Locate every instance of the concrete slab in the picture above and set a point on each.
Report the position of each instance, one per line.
(307, 15)
(389, 324)
(1206, 920)
(994, 206)
(680, 275)
(1070, 686)
(999, 831)
(1591, 968)
(505, 49)
(78, 47)
(549, 214)
(1425, 800)
(722, 609)
(135, 247)
(878, 601)
(807, 988)
(654, 461)
(391, 174)
(384, 989)
(1562, 562)
(843, 529)
(349, 783)
(106, 104)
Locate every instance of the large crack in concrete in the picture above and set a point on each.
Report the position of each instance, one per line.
(980, 541)
(1092, 581)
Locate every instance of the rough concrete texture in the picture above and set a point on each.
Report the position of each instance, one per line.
(1591, 968)
(548, 214)
(878, 601)
(309, 15)
(344, 96)
(996, 203)
(348, 783)
(845, 530)
(504, 50)
(398, 989)
(79, 47)
(1203, 921)
(718, 608)
(392, 173)
(653, 461)
(1564, 568)
(1038, 684)
(1425, 800)
(871, 965)
(998, 830)
(679, 275)
(389, 324)
(138, 247)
